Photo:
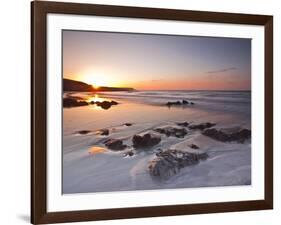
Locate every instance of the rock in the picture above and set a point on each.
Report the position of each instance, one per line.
(145, 141)
(173, 103)
(201, 126)
(106, 104)
(129, 153)
(178, 103)
(193, 146)
(72, 102)
(172, 131)
(225, 135)
(128, 124)
(183, 124)
(83, 132)
(169, 163)
(114, 103)
(115, 144)
(104, 132)
(92, 102)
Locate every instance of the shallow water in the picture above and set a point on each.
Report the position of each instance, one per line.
(228, 164)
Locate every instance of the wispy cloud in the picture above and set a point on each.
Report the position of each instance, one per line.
(221, 70)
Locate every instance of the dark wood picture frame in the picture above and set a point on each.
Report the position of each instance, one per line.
(39, 11)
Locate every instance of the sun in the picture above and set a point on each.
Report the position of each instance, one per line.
(96, 81)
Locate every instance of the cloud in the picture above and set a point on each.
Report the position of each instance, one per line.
(221, 70)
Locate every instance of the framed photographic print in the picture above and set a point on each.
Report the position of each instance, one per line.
(143, 112)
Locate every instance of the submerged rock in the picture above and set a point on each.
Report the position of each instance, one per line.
(169, 163)
(72, 102)
(104, 132)
(193, 146)
(83, 132)
(172, 131)
(115, 144)
(228, 135)
(201, 126)
(146, 140)
(104, 104)
(173, 103)
(128, 124)
(178, 103)
(129, 153)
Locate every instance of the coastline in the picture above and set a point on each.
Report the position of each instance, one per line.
(85, 172)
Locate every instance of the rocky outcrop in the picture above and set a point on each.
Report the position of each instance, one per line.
(115, 144)
(169, 163)
(201, 126)
(128, 89)
(179, 103)
(145, 141)
(72, 102)
(172, 131)
(73, 85)
(228, 135)
(105, 104)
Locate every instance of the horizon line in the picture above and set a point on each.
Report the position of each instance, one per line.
(96, 89)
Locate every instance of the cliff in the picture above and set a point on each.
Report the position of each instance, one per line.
(73, 85)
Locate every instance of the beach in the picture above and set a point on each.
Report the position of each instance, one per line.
(91, 165)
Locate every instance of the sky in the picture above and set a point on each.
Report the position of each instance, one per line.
(157, 62)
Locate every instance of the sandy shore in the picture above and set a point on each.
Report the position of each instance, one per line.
(90, 166)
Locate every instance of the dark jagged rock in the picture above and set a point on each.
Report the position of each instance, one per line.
(173, 103)
(169, 163)
(145, 141)
(72, 102)
(115, 144)
(192, 103)
(83, 132)
(128, 124)
(201, 126)
(172, 131)
(106, 104)
(185, 102)
(183, 124)
(193, 146)
(104, 132)
(225, 135)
